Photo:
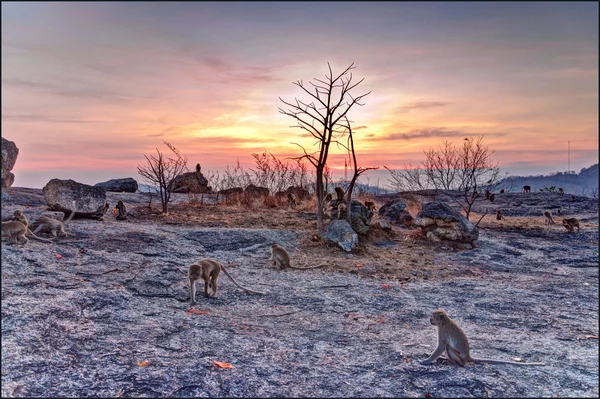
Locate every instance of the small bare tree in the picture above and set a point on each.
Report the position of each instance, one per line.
(322, 120)
(357, 170)
(162, 172)
(409, 178)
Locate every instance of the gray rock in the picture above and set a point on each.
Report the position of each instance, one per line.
(9, 158)
(361, 216)
(339, 232)
(440, 222)
(127, 185)
(191, 182)
(256, 191)
(394, 212)
(63, 195)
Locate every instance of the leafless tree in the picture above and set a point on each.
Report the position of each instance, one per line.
(162, 171)
(357, 170)
(322, 119)
(409, 178)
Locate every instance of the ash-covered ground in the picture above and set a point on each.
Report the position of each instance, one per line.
(105, 313)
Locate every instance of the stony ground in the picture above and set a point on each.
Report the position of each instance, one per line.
(104, 312)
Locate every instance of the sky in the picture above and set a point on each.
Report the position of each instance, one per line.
(89, 87)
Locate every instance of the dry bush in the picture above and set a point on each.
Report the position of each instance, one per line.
(308, 205)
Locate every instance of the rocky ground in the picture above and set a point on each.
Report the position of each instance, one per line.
(104, 312)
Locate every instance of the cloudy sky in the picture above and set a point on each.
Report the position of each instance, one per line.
(87, 88)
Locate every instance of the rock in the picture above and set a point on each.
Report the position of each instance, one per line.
(9, 158)
(63, 195)
(394, 212)
(191, 182)
(339, 232)
(382, 224)
(256, 191)
(439, 221)
(231, 191)
(361, 216)
(127, 185)
(299, 192)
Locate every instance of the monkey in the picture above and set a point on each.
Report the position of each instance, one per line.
(328, 197)
(370, 205)
(281, 259)
(291, 200)
(19, 216)
(341, 208)
(122, 211)
(56, 226)
(502, 191)
(340, 193)
(197, 168)
(573, 197)
(208, 270)
(570, 224)
(492, 197)
(453, 340)
(560, 190)
(549, 219)
(499, 215)
(559, 212)
(487, 194)
(526, 189)
(18, 230)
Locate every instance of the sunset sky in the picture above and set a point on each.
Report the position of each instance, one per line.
(87, 88)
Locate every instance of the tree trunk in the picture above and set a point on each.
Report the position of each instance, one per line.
(320, 226)
(349, 199)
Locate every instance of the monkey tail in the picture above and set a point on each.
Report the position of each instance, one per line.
(238, 285)
(30, 233)
(492, 361)
(70, 217)
(307, 268)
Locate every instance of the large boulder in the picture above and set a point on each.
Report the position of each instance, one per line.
(299, 192)
(395, 211)
(67, 195)
(127, 185)
(339, 232)
(191, 182)
(256, 191)
(9, 158)
(361, 216)
(440, 222)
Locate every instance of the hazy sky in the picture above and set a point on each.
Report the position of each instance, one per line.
(87, 88)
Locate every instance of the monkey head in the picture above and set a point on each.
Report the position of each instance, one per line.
(438, 317)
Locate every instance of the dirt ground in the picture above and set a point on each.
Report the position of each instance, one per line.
(105, 312)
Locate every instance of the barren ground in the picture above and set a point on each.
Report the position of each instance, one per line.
(105, 312)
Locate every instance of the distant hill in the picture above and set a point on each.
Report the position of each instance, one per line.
(584, 183)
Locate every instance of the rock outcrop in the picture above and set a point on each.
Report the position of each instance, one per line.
(361, 216)
(191, 182)
(9, 158)
(394, 212)
(126, 185)
(256, 191)
(64, 195)
(440, 222)
(339, 232)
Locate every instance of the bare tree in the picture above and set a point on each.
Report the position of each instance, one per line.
(162, 171)
(409, 178)
(357, 170)
(322, 120)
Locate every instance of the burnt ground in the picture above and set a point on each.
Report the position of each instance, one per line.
(109, 315)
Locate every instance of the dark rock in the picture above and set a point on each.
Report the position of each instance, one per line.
(127, 185)
(339, 232)
(394, 212)
(361, 216)
(299, 192)
(440, 222)
(191, 182)
(9, 158)
(66, 195)
(256, 191)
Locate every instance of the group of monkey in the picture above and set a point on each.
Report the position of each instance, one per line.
(451, 338)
